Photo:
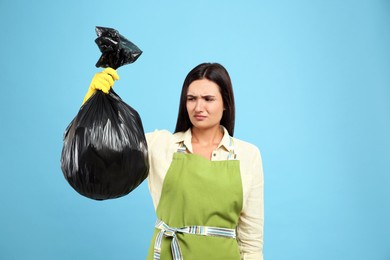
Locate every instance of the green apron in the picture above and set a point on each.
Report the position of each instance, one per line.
(202, 193)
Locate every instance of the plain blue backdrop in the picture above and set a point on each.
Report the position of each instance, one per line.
(312, 86)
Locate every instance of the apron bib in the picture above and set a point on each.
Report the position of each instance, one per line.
(200, 205)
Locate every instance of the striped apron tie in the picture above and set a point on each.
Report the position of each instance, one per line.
(168, 231)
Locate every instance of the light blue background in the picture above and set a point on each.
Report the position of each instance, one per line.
(312, 86)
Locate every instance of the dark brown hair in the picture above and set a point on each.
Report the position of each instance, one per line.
(218, 74)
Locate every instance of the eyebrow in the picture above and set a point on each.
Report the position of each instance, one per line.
(205, 96)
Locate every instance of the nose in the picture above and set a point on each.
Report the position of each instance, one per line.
(199, 105)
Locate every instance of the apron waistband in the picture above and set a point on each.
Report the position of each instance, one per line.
(168, 231)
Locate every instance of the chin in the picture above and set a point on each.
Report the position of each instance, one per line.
(203, 126)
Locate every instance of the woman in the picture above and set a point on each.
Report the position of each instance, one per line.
(206, 186)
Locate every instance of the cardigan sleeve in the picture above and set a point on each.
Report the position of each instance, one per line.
(251, 222)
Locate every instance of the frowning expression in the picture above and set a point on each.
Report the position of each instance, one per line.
(204, 104)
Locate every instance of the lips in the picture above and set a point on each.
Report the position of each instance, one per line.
(199, 117)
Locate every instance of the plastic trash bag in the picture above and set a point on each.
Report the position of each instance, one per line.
(116, 49)
(104, 155)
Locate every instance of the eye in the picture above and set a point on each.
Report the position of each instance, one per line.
(209, 99)
(190, 98)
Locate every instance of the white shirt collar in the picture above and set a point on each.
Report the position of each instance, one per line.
(186, 138)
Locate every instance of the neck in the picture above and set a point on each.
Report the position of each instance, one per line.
(206, 137)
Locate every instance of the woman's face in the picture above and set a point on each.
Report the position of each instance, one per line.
(204, 104)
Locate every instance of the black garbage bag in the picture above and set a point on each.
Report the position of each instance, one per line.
(116, 49)
(104, 155)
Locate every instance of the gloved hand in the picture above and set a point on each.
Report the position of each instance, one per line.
(103, 81)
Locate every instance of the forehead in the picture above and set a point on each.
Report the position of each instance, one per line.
(203, 87)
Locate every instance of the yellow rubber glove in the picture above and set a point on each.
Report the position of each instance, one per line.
(103, 81)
